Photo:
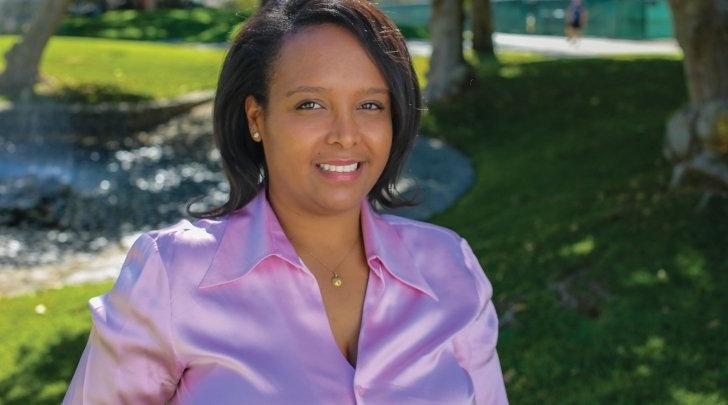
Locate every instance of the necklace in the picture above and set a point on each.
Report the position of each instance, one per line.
(336, 279)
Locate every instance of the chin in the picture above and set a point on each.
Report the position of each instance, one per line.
(341, 201)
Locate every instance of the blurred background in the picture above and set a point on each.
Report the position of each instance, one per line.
(580, 146)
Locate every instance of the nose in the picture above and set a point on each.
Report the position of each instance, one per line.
(344, 130)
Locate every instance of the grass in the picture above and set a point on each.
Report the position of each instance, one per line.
(77, 69)
(93, 70)
(40, 351)
(609, 286)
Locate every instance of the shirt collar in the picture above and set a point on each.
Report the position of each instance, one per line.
(253, 234)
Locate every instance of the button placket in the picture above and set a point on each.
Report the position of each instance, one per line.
(376, 284)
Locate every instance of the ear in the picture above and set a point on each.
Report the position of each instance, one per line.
(254, 114)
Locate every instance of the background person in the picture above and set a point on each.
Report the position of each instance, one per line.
(576, 20)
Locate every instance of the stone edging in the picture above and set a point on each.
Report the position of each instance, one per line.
(103, 119)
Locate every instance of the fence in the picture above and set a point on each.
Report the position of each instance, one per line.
(633, 19)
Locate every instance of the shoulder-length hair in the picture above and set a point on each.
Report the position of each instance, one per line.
(248, 68)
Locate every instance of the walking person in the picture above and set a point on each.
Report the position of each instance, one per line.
(576, 18)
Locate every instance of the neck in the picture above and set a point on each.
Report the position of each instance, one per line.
(318, 232)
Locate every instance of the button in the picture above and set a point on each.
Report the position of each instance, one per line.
(359, 389)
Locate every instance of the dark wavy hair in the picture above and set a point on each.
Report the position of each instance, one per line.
(247, 70)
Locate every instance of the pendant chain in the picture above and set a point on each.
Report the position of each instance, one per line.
(336, 279)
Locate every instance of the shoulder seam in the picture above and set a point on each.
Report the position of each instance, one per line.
(177, 363)
(427, 225)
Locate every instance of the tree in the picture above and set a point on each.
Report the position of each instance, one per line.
(482, 26)
(697, 135)
(22, 60)
(448, 68)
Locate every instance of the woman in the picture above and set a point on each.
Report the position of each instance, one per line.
(296, 291)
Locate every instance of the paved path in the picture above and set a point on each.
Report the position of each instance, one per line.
(558, 46)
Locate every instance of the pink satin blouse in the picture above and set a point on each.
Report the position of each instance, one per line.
(224, 312)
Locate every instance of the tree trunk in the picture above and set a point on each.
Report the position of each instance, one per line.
(22, 60)
(149, 4)
(482, 25)
(701, 28)
(448, 69)
(697, 136)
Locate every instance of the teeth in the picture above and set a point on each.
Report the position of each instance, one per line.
(339, 169)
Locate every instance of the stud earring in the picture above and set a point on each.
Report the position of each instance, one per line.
(255, 135)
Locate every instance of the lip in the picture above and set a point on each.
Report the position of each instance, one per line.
(340, 162)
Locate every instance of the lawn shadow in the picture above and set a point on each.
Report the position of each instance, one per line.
(608, 281)
(42, 376)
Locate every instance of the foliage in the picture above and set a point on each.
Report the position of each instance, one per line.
(94, 70)
(414, 32)
(205, 25)
(179, 25)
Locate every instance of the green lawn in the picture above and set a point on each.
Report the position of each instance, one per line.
(610, 287)
(40, 352)
(92, 70)
(615, 285)
(77, 69)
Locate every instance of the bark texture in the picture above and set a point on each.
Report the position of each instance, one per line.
(482, 21)
(448, 69)
(701, 29)
(23, 58)
(697, 135)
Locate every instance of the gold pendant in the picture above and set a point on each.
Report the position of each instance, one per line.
(336, 280)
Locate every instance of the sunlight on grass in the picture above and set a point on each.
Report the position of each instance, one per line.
(684, 397)
(691, 263)
(652, 349)
(581, 248)
(152, 70)
(646, 278)
(510, 71)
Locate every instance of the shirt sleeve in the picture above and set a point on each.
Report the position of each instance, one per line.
(129, 357)
(475, 345)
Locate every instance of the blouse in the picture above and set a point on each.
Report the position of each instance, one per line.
(225, 312)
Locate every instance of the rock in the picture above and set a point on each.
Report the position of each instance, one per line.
(711, 125)
(678, 138)
(708, 169)
(33, 200)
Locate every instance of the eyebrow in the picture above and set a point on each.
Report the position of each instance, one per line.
(316, 89)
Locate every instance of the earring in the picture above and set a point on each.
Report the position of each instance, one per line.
(255, 135)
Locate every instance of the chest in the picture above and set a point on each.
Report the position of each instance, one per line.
(343, 305)
(285, 335)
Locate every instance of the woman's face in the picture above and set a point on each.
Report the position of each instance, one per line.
(327, 128)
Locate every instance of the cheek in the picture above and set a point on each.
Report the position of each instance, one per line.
(382, 140)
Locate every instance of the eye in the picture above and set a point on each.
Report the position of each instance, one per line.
(371, 106)
(309, 105)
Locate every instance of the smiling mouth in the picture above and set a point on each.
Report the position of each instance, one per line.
(339, 168)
